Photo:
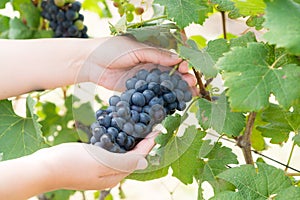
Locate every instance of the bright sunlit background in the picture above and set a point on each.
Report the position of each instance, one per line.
(168, 187)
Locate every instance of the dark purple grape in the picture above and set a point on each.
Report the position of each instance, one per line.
(112, 131)
(182, 85)
(122, 138)
(181, 106)
(148, 94)
(142, 74)
(169, 97)
(113, 100)
(135, 116)
(141, 85)
(136, 108)
(76, 6)
(156, 100)
(152, 78)
(145, 118)
(138, 99)
(155, 87)
(130, 143)
(130, 83)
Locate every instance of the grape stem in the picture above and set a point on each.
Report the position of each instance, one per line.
(244, 141)
(290, 157)
(224, 25)
(139, 24)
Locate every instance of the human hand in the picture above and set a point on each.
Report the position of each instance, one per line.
(81, 166)
(119, 58)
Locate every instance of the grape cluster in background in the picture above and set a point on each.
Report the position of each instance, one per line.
(64, 18)
(124, 7)
(130, 117)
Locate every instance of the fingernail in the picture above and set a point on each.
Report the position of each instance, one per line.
(142, 164)
(175, 56)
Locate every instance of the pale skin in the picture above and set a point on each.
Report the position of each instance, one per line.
(28, 65)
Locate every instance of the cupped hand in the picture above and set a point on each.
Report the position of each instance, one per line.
(119, 58)
(81, 166)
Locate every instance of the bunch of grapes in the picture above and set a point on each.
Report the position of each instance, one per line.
(124, 7)
(130, 117)
(64, 18)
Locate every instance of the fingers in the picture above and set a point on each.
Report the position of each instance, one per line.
(157, 56)
(145, 146)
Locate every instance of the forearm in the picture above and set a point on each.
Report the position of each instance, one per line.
(28, 65)
(23, 178)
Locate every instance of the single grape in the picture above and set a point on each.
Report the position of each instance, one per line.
(142, 74)
(166, 86)
(148, 94)
(157, 113)
(181, 106)
(182, 85)
(130, 83)
(139, 128)
(141, 85)
(135, 116)
(128, 128)
(113, 100)
(124, 112)
(169, 97)
(155, 71)
(130, 143)
(138, 99)
(152, 77)
(71, 15)
(156, 100)
(145, 118)
(76, 6)
(122, 138)
(112, 131)
(179, 94)
(187, 96)
(136, 108)
(164, 76)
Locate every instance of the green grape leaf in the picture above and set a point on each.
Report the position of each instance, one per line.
(43, 34)
(187, 165)
(213, 162)
(227, 6)
(261, 183)
(280, 123)
(176, 151)
(59, 194)
(243, 40)
(28, 12)
(218, 116)
(291, 192)
(199, 40)
(18, 30)
(183, 12)
(171, 123)
(61, 125)
(250, 7)
(204, 60)
(257, 140)
(276, 18)
(160, 35)
(256, 21)
(251, 79)
(19, 136)
(3, 3)
(94, 6)
(4, 23)
(296, 139)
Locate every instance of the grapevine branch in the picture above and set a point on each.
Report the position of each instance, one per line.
(244, 141)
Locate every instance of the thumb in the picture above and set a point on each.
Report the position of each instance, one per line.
(127, 162)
